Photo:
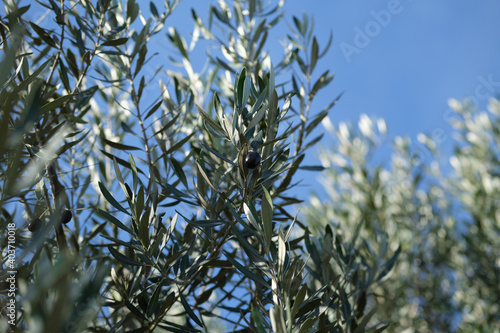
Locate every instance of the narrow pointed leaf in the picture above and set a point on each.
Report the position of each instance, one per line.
(267, 216)
(111, 200)
(179, 144)
(247, 272)
(256, 118)
(123, 259)
(153, 301)
(56, 103)
(114, 220)
(189, 310)
(314, 54)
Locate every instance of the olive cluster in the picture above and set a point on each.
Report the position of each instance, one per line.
(36, 224)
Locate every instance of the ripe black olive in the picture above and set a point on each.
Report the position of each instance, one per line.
(66, 216)
(35, 225)
(252, 160)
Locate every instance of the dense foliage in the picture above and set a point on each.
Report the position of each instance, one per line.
(138, 177)
(147, 184)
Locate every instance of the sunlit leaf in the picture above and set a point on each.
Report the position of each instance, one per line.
(267, 216)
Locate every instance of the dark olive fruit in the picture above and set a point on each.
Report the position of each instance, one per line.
(35, 225)
(252, 160)
(66, 216)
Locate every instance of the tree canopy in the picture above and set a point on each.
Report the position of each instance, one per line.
(149, 192)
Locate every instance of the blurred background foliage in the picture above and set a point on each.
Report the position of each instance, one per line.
(173, 231)
(445, 222)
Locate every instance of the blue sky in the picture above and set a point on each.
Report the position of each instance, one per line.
(429, 51)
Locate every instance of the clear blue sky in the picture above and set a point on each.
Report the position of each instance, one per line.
(429, 52)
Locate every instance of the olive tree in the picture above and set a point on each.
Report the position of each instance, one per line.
(146, 194)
